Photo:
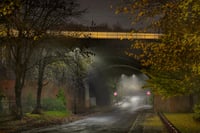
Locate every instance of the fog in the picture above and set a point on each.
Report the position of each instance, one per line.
(131, 85)
(127, 81)
(131, 94)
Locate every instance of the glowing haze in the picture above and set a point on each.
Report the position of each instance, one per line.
(131, 85)
(132, 94)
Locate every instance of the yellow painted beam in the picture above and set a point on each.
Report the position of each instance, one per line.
(101, 35)
(110, 35)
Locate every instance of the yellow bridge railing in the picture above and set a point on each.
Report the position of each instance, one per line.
(109, 35)
(101, 35)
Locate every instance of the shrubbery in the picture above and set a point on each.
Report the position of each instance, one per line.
(197, 112)
(55, 104)
(61, 96)
(48, 104)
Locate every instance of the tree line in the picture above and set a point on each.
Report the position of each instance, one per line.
(173, 63)
(25, 46)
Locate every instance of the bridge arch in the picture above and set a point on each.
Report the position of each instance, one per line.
(98, 86)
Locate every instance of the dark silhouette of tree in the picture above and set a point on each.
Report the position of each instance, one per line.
(47, 59)
(77, 72)
(25, 27)
(45, 56)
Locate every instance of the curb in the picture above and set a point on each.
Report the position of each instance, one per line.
(170, 127)
(135, 123)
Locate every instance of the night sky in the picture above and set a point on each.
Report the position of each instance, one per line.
(100, 12)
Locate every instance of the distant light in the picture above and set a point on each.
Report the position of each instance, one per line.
(148, 93)
(115, 94)
(133, 76)
(135, 99)
(123, 75)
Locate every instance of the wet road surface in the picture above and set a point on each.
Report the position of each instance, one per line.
(119, 120)
(116, 121)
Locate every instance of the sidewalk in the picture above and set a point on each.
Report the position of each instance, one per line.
(148, 122)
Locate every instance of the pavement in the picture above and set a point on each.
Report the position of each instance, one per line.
(139, 126)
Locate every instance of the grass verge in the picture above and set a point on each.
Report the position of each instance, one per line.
(30, 121)
(49, 115)
(153, 123)
(184, 122)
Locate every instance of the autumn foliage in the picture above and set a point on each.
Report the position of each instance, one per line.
(172, 63)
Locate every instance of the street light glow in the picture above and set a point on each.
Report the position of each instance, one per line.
(115, 93)
(148, 93)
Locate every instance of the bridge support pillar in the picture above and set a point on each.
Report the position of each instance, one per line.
(87, 96)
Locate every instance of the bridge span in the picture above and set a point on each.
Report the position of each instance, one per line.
(109, 35)
(99, 35)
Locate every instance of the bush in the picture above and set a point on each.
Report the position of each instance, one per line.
(61, 96)
(197, 112)
(53, 104)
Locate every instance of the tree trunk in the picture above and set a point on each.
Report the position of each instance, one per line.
(41, 70)
(75, 97)
(19, 112)
(75, 105)
(191, 98)
(18, 92)
(38, 107)
(81, 99)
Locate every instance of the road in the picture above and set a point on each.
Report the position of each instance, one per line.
(119, 120)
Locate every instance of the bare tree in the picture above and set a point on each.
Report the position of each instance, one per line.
(47, 56)
(78, 66)
(26, 26)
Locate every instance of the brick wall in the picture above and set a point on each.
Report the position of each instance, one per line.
(30, 88)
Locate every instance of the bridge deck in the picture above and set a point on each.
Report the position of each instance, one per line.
(110, 35)
(102, 35)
